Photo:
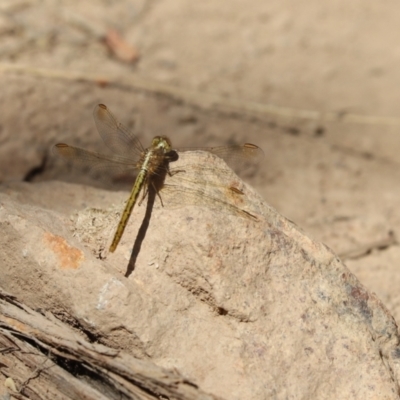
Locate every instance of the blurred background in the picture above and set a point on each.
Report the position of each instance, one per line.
(315, 84)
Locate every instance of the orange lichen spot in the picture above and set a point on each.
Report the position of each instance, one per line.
(69, 257)
(102, 82)
(120, 48)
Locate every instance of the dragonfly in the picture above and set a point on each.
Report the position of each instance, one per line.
(152, 166)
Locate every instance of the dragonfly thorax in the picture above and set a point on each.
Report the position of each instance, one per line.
(161, 149)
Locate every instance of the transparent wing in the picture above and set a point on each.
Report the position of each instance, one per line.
(205, 185)
(202, 174)
(236, 156)
(175, 196)
(116, 136)
(95, 162)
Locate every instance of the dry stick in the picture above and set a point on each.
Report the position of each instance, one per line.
(204, 100)
(7, 349)
(363, 250)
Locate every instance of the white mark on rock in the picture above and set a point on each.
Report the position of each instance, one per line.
(105, 294)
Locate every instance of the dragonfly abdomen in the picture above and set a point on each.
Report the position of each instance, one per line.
(137, 187)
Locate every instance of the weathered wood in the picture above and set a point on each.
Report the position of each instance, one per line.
(49, 360)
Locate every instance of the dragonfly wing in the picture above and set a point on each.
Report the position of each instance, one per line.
(95, 162)
(203, 174)
(236, 156)
(176, 196)
(117, 137)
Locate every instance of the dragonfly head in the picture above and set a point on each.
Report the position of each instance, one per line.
(161, 142)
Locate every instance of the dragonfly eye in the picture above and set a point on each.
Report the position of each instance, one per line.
(172, 155)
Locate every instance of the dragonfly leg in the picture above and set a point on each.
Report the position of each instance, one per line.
(145, 191)
(158, 193)
(175, 172)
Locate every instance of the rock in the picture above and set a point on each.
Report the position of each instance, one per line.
(245, 309)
